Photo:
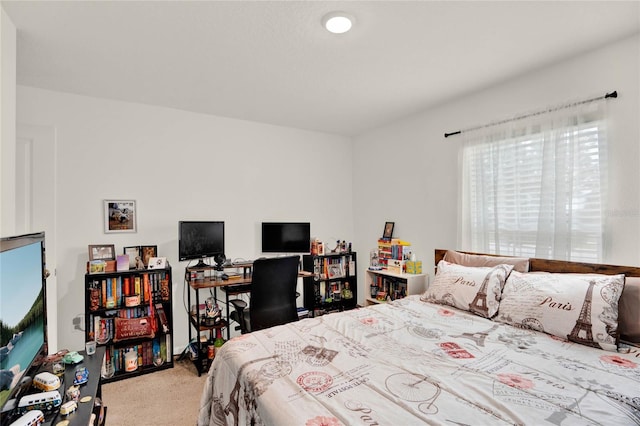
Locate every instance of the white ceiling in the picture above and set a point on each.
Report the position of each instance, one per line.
(272, 62)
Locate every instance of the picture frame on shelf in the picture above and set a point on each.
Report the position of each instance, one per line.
(157, 263)
(134, 253)
(97, 266)
(147, 252)
(102, 252)
(335, 271)
(120, 216)
(387, 234)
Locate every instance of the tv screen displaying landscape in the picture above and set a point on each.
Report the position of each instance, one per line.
(22, 313)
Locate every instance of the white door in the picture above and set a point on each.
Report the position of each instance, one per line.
(36, 203)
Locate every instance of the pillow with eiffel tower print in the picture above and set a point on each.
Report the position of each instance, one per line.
(581, 308)
(473, 289)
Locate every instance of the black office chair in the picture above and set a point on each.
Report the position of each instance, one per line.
(273, 295)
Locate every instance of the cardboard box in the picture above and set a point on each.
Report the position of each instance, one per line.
(395, 265)
(414, 266)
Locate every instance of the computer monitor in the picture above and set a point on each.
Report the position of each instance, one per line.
(286, 237)
(200, 240)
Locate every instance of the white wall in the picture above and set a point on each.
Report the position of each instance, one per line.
(408, 172)
(8, 62)
(179, 166)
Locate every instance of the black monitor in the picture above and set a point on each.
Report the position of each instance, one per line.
(286, 237)
(200, 240)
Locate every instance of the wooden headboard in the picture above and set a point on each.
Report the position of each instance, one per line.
(546, 265)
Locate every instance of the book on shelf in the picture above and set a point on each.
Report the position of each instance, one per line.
(166, 350)
(147, 354)
(113, 291)
(163, 317)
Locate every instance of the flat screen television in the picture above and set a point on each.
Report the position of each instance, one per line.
(286, 237)
(23, 323)
(200, 240)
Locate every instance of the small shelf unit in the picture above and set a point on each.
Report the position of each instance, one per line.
(394, 284)
(333, 284)
(130, 311)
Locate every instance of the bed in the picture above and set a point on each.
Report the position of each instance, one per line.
(437, 358)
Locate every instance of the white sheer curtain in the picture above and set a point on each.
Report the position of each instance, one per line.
(536, 186)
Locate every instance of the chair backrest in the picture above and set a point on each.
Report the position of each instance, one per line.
(273, 291)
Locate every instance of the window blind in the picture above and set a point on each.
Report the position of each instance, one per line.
(537, 192)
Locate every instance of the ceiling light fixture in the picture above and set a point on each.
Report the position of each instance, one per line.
(337, 22)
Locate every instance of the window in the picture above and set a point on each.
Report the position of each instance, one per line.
(537, 188)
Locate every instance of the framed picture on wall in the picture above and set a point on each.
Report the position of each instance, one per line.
(119, 216)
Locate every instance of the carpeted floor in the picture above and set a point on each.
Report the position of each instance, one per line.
(169, 397)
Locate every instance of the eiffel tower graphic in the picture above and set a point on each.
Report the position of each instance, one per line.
(479, 304)
(478, 337)
(583, 324)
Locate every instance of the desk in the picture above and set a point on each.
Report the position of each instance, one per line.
(233, 286)
(200, 278)
(92, 389)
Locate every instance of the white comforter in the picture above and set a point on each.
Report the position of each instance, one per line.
(411, 362)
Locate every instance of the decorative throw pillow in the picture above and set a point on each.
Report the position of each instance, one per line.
(133, 328)
(475, 290)
(582, 308)
(520, 264)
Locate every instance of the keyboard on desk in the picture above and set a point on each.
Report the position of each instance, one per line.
(238, 288)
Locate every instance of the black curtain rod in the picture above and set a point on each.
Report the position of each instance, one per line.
(613, 94)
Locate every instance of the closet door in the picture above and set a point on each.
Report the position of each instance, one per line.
(36, 202)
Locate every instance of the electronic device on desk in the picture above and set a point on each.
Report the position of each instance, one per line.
(286, 237)
(23, 310)
(200, 240)
(221, 261)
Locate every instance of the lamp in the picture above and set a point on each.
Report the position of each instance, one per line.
(337, 22)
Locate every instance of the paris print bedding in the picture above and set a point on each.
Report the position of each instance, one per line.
(413, 362)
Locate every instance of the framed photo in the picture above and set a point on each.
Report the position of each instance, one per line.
(97, 266)
(157, 263)
(335, 271)
(147, 253)
(119, 216)
(134, 254)
(102, 252)
(388, 230)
